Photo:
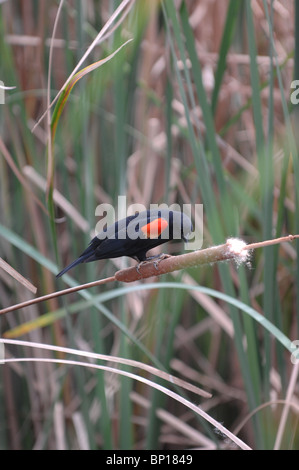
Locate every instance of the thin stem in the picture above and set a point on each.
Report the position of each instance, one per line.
(275, 241)
(69, 290)
(234, 249)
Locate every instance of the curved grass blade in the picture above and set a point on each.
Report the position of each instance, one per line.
(54, 122)
(65, 93)
(48, 318)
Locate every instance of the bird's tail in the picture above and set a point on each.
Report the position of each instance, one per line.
(79, 260)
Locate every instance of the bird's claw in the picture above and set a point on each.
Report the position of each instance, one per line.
(152, 260)
(161, 257)
(140, 264)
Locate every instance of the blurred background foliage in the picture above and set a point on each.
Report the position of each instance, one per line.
(195, 110)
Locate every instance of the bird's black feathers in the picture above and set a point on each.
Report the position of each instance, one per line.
(135, 235)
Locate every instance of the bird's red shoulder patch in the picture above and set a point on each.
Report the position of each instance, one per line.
(154, 228)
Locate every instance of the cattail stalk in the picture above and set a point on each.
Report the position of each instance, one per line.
(234, 249)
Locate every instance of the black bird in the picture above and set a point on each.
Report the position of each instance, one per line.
(135, 235)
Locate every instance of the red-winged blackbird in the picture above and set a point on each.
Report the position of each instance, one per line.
(135, 236)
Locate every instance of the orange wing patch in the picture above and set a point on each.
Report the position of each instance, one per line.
(154, 228)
